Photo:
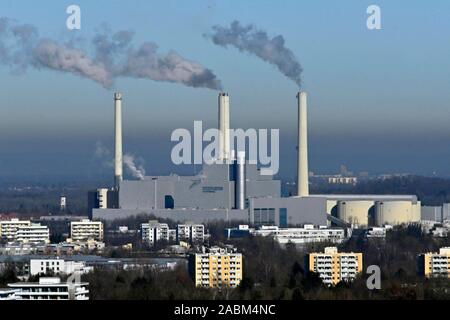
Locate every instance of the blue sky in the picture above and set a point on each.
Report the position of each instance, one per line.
(378, 100)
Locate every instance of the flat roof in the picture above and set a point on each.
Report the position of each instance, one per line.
(46, 284)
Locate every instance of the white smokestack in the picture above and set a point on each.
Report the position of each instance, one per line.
(240, 181)
(118, 159)
(224, 126)
(302, 158)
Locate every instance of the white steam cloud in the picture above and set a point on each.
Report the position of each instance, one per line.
(257, 42)
(114, 56)
(133, 165)
(135, 170)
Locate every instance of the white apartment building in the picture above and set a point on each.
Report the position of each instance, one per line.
(333, 266)
(57, 266)
(191, 232)
(8, 294)
(172, 235)
(153, 231)
(219, 267)
(50, 289)
(8, 228)
(301, 236)
(33, 233)
(86, 229)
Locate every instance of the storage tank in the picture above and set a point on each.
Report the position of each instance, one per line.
(396, 212)
(331, 206)
(354, 212)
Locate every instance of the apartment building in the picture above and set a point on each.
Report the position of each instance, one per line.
(33, 233)
(86, 229)
(57, 266)
(219, 267)
(333, 266)
(50, 289)
(153, 231)
(8, 228)
(433, 265)
(191, 232)
(8, 294)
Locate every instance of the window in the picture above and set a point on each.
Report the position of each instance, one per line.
(283, 218)
(263, 216)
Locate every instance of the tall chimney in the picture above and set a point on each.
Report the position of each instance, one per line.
(240, 181)
(118, 161)
(224, 127)
(302, 157)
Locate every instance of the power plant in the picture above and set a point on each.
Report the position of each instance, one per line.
(221, 190)
(234, 189)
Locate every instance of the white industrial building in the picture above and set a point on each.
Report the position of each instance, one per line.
(191, 232)
(301, 236)
(86, 229)
(57, 266)
(50, 289)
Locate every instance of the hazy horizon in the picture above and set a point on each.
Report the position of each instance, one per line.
(377, 99)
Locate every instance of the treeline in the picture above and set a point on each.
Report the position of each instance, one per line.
(44, 200)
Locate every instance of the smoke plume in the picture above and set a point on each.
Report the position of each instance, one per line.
(135, 170)
(257, 42)
(104, 155)
(132, 164)
(113, 56)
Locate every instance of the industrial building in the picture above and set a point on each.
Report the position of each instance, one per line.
(333, 266)
(233, 189)
(341, 209)
(436, 213)
(219, 192)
